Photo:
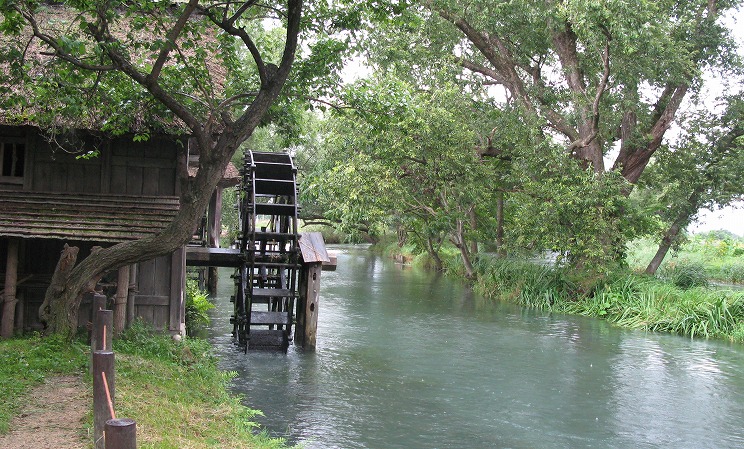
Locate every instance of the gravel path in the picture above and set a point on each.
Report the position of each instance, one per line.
(53, 417)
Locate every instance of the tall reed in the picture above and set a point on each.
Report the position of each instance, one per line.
(629, 300)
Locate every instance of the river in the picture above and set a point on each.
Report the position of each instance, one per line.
(408, 359)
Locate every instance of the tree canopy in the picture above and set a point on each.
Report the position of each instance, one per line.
(572, 99)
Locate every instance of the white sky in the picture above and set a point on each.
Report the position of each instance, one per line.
(728, 218)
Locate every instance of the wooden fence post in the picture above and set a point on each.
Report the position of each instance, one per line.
(121, 433)
(103, 326)
(97, 302)
(103, 394)
(132, 293)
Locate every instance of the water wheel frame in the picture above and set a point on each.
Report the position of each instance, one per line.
(270, 254)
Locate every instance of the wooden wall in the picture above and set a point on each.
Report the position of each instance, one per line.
(124, 167)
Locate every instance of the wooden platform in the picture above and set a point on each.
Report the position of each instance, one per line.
(198, 256)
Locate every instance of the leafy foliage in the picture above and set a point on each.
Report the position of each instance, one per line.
(197, 306)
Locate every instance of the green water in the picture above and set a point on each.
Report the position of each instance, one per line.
(406, 359)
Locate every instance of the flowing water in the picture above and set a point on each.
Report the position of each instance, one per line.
(406, 359)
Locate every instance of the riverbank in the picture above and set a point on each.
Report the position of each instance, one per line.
(173, 390)
(627, 299)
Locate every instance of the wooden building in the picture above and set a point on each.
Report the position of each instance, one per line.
(49, 197)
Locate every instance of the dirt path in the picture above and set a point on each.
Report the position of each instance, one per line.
(52, 418)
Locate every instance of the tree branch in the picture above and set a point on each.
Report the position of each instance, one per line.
(170, 40)
(58, 51)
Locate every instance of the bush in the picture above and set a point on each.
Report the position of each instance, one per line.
(687, 275)
(197, 306)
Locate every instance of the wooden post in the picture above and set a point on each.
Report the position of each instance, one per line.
(132, 293)
(102, 330)
(11, 282)
(97, 302)
(121, 433)
(120, 300)
(103, 394)
(307, 324)
(177, 312)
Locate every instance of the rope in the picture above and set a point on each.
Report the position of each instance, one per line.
(108, 395)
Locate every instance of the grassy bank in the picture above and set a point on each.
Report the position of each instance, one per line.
(717, 256)
(680, 301)
(26, 362)
(173, 390)
(628, 299)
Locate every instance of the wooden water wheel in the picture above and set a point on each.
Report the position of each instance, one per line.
(266, 279)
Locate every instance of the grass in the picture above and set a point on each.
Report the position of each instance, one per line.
(721, 256)
(26, 362)
(627, 299)
(172, 389)
(679, 301)
(646, 303)
(179, 398)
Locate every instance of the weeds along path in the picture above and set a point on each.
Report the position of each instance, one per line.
(52, 417)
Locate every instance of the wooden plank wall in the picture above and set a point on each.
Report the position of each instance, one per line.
(137, 168)
(123, 166)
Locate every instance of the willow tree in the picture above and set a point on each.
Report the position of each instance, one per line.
(199, 68)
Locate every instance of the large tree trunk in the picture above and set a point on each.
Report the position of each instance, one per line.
(50, 308)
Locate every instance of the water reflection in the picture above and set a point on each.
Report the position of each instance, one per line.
(410, 360)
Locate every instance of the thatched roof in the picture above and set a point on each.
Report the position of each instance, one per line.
(30, 80)
(85, 217)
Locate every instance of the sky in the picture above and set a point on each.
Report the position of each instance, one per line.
(729, 218)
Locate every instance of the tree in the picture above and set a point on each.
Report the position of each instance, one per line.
(119, 56)
(406, 157)
(704, 169)
(596, 72)
(599, 79)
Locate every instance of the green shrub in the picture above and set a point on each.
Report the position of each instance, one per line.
(197, 306)
(687, 275)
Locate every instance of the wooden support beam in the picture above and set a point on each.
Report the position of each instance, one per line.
(103, 394)
(132, 293)
(177, 313)
(11, 283)
(120, 299)
(306, 329)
